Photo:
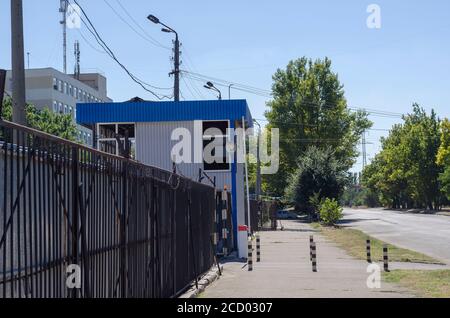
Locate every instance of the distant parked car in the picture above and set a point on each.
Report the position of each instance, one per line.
(286, 215)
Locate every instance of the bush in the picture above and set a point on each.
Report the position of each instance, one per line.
(330, 211)
(320, 175)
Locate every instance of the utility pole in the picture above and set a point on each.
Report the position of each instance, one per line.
(63, 9)
(176, 71)
(18, 67)
(77, 69)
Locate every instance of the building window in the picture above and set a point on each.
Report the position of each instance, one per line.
(215, 137)
(60, 108)
(60, 86)
(65, 88)
(55, 84)
(107, 142)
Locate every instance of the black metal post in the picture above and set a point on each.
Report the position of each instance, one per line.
(2, 90)
(75, 202)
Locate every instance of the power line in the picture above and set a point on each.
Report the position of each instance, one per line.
(156, 42)
(190, 65)
(89, 43)
(143, 36)
(266, 93)
(226, 83)
(189, 89)
(288, 123)
(102, 43)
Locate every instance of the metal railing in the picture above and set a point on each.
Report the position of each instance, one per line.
(131, 229)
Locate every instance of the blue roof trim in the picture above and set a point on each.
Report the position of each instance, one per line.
(91, 113)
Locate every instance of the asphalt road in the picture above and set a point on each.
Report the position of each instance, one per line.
(428, 234)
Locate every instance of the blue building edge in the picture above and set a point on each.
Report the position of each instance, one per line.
(165, 111)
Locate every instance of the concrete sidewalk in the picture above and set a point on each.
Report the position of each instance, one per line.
(285, 271)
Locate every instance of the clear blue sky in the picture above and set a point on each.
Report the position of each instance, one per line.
(407, 60)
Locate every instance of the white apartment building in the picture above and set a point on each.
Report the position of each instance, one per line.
(47, 87)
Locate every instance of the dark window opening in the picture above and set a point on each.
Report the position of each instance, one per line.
(215, 132)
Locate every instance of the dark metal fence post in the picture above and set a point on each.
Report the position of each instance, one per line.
(123, 225)
(2, 90)
(75, 201)
(191, 236)
(84, 252)
(369, 256)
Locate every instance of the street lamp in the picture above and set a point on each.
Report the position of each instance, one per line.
(229, 90)
(176, 70)
(211, 86)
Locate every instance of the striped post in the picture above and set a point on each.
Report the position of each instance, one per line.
(313, 257)
(385, 258)
(224, 221)
(369, 257)
(311, 240)
(258, 248)
(250, 255)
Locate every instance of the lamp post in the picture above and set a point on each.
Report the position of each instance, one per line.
(176, 70)
(229, 90)
(211, 86)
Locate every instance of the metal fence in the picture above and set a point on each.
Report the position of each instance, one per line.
(133, 230)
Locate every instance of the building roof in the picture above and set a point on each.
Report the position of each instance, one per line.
(167, 111)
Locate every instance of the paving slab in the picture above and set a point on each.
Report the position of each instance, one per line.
(285, 271)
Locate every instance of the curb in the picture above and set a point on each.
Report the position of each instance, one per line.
(206, 280)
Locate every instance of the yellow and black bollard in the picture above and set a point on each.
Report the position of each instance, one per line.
(385, 258)
(314, 257)
(369, 256)
(250, 255)
(258, 248)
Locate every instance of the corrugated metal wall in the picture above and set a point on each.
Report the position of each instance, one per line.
(154, 146)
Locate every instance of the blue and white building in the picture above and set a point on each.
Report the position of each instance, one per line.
(153, 128)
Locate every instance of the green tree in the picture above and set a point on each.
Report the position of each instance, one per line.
(45, 120)
(443, 158)
(309, 108)
(405, 173)
(320, 174)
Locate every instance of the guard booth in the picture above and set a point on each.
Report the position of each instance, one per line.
(157, 130)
